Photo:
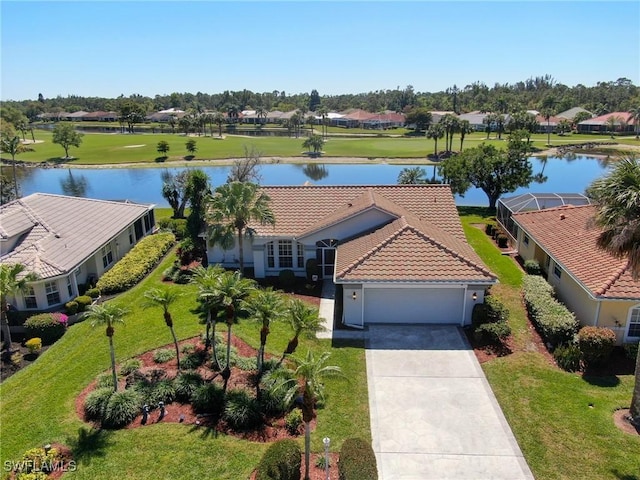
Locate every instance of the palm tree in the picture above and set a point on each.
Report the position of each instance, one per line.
(617, 195)
(107, 314)
(12, 145)
(611, 124)
(231, 292)
(547, 113)
(301, 318)
(635, 116)
(262, 113)
(314, 142)
(309, 375)
(412, 176)
(233, 206)
(164, 298)
(435, 131)
(323, 112)
(464, 128)
(218, 119)
(206, 280)
(13, 280)
(450, 124)
(265, 306)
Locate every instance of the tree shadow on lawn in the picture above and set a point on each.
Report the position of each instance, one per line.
(89, 443)
(608, 381)
(624, 476)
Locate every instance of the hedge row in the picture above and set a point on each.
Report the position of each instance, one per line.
(136, 264)
(554, 321)
(357, 461)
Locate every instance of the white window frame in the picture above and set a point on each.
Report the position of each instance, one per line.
(557, 271)
(107, 255)
(633, 312)
(30, 293)
(285, 252)
(51, 289)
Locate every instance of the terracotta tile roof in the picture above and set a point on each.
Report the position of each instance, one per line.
(57, 233)
(409, 250)
(298, 208)
(567, 235)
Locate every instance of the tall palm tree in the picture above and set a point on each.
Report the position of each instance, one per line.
(435, 131)
(206, 280)
(164, 298)
(13, 280)
(218, 119)
(107, 314)
(12, 145)
(635, 116)
(230, 210)
(464, 128)
(265, 306)
(231, 292)
(302, 319)
(611, 123)
(617, 196)
(547, 113)
(323, 112)
(308, 382)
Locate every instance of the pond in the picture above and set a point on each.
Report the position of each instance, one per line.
(144, 184)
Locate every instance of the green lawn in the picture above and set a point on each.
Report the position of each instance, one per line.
(102, 149)
(38, 403)
(548, 409)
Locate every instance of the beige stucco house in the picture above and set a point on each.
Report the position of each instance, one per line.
(595, 285)
(397, 252)
(67, 241)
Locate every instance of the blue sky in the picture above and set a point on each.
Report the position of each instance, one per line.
(109, 48)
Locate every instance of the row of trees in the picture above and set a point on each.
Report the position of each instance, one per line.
(604, 97)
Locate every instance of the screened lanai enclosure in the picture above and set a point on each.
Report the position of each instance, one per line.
(507, 206)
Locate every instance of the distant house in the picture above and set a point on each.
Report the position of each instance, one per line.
(475, 119)
(623, 122)
(384, 120)
(100, 116)
(595, 285)
(67, 242)
(352, 118)
(572, 112)
(76, 116)
(397, 253)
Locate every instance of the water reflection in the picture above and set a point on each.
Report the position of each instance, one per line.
(315, 171)
(74, 185)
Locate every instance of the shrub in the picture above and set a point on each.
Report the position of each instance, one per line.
(281, 461)
(241, 410)
(208, 398)
(568, 357)
(185, 385)
(222, 355)
(34, 345)
(293, 421)
(193, 360)
(496, 311)
(502, 240)
(188, 348)
(287, 278)
(479, 314)
(247, 363)
(121, 409)
(93, 292)
(105, 380)
(136, 264)
(322, 462)
(178, 226)
(532, 267)
(631, 350)
(494, 333)
(162, 391)
(71, 307)
(357, 461)
(130, 366)
(311, 268)
(596, 344)
(163, 355)
(83, 302)
(47, 326)
(16, 359)
(553, 320)
(36, 463)
(96, 402)
(488, 228)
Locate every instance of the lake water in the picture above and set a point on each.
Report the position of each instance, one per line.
(144, 184)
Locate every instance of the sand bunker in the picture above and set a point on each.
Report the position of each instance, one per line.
(134, 146)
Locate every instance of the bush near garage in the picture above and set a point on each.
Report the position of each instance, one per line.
(281, 461)
(596, 344)
(136, 264)
(357, 461)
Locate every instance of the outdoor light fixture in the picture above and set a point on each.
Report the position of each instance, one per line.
(327, 442)
(474, 296)
(354, 296)
(47, 448)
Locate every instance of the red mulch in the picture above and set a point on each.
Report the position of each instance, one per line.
(316, 473)
(620, 419)
(175, 412)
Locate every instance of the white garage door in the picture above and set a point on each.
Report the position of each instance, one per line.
(413, 305)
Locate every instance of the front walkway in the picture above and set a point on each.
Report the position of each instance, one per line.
(433, 414)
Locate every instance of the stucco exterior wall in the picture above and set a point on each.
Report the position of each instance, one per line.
(615, 315)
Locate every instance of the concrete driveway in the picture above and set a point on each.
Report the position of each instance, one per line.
(433, 415)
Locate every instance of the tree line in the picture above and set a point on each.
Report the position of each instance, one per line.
(604, 97)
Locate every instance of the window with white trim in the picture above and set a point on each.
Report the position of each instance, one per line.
(53, 295)
(271, 261)
(557, 271)
(285, 254)
(131, 237)
(300, 248)
(634, 323)
(30, 300)
(69, 287)
(107, 255)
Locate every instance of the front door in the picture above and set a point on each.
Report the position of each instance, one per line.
(326, 257)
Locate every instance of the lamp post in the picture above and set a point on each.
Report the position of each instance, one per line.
(327, 442)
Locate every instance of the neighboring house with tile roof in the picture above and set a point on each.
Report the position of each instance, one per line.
(595, 285)
(623, 122)
(397, 252)
(67, 242)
